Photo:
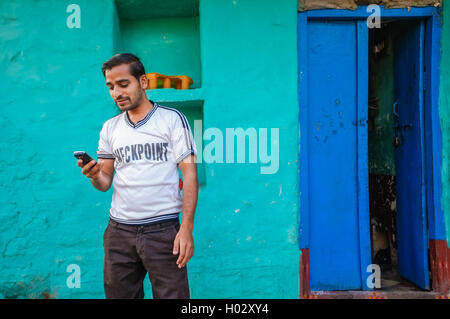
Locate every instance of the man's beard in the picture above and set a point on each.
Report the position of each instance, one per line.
(132, 106)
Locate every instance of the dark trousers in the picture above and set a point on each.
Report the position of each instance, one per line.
(133, 251)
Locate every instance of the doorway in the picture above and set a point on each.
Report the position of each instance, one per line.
(341, 184)
(397, 155)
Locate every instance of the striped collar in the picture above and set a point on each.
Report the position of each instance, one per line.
(144, 120)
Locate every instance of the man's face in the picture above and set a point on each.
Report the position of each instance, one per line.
(124, 88)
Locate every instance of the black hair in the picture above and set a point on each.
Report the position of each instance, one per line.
(136, 67)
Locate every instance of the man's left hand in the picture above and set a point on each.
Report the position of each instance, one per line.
(184, 245)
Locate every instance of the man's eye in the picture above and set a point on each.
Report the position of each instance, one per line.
(123, 85)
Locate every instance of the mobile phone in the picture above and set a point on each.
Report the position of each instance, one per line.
(84, 156)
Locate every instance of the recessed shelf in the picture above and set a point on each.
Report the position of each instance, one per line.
(173, 97)
(169, 46)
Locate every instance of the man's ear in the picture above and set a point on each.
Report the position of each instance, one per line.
(144, 81)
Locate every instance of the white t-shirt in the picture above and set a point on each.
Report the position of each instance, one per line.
(146, 157)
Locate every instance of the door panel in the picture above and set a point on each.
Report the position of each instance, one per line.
(335, 124)
(409, 162)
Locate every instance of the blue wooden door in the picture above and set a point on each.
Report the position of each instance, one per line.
(333, 93)
(409, 162)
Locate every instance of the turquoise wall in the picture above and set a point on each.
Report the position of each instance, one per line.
(444, 114)
(249, 60)
(55, 102)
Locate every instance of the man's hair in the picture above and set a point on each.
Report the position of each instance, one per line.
(136, 67)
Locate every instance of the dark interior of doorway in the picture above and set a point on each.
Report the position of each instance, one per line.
(382, 188)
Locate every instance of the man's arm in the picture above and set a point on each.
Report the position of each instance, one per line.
(101, 175)
(184, 242)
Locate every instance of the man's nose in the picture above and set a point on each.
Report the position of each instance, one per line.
(117, 92)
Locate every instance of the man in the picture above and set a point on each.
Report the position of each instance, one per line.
(144, 146)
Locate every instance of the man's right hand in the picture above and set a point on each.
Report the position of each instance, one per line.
(91, 170)
(100, 174)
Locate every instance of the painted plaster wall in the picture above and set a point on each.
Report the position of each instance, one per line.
(444, 114)
(249, 61)
(55, 102)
